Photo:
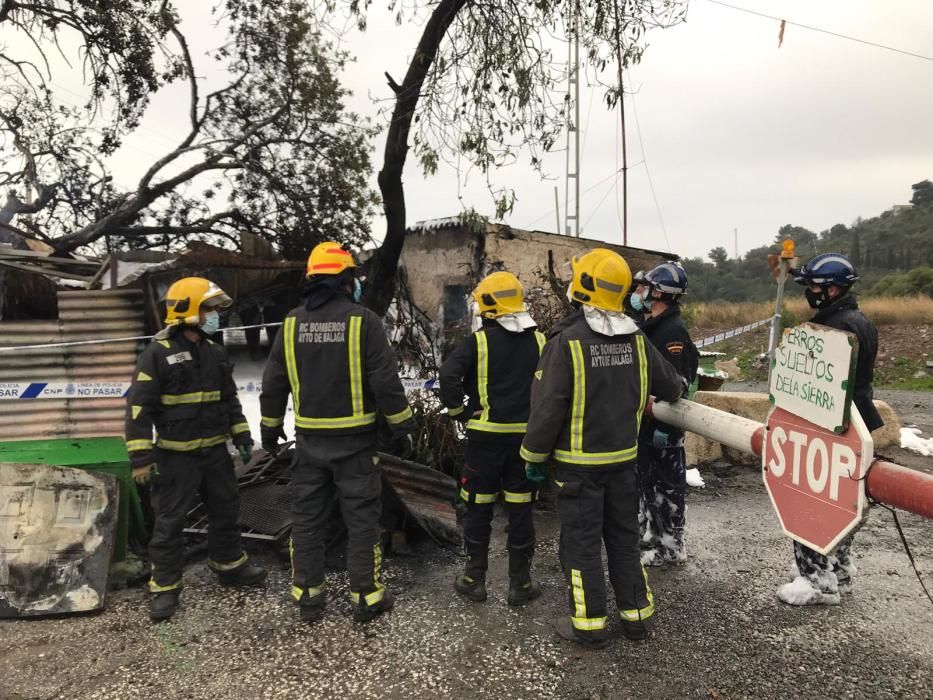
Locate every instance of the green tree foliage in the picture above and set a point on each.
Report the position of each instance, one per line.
(917, 281)
(893, 254)
(923, 194)
(720, 257)
(270, 149)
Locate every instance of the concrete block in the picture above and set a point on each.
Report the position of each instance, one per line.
(890, 433)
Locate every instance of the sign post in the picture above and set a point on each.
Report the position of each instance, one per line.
(817, 449)
(780, 266)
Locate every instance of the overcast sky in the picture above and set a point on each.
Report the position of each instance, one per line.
(737, 133)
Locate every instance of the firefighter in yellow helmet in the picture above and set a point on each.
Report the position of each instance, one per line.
(590, 389)
(333, 358)
(493, 368)
(183, 387)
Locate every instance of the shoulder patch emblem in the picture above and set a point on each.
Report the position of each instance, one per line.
(539, 373)
(143, 377)
(178, 357)
(136, 411)
(164, 343)
(674, 348)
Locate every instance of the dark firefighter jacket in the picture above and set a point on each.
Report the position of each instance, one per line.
(589, 394)
(843, 314)
(186, 391)
(669, 335)
(494, 367)
(336, 362)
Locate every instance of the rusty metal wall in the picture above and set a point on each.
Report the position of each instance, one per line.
(83, 315)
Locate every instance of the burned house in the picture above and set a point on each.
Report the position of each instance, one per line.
(444, 259)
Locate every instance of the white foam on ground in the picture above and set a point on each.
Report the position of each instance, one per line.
(911, 440)
(694, 479)
(801, 591)
(798, 592)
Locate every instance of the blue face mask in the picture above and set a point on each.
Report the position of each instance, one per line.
(211, 323)
(357, 290)
(636, 301)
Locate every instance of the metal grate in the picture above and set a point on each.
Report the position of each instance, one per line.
(266, 508)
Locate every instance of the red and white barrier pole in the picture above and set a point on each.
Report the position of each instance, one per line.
(888, 483)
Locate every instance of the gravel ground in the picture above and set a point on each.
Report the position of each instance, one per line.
(720, 632)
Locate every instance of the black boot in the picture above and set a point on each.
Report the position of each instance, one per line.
(522, 589)
(312, 608)
(471, 588)
(245, 575)
(472, 584)
(163, 605)
(567, 631)
(634, 631)
(365, 613)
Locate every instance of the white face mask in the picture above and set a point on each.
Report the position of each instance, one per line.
(608, 322)
(476, 321)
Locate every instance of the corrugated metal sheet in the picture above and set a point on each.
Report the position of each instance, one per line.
(82, 316)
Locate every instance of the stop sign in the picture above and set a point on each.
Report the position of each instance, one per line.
(816, 478)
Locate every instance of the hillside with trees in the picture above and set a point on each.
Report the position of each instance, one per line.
(893, 253)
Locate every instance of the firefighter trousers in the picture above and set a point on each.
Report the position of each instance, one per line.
(492, 465)
(345, 468)
(662, 482)
(598, 505)
(830, 573)
(183, 477)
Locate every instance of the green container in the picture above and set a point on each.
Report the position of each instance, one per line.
(106, 454)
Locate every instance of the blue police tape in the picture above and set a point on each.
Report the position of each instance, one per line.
(99, 390)
(726, 335)
(104, 390)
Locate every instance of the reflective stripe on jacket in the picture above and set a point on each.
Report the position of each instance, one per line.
(589, 393)
(494, 368)
(187, 393)
(338, 367)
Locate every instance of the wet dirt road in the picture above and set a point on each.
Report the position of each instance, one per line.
(719, 632)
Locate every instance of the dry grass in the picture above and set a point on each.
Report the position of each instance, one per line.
(882, 311)
(888, 311)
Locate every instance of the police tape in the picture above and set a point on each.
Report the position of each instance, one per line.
(99, 341)
(100, 390)
(726, 335)
(110, 390)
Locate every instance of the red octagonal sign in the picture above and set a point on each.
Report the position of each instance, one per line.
(816, 478)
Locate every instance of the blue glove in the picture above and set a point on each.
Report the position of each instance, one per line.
(660, 439)
(534, 472)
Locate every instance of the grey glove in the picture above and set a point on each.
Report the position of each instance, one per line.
(403, 445)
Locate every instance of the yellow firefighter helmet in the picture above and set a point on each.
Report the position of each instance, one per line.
(184, 300)
(329, 258)
(601, 278)
(499, 294)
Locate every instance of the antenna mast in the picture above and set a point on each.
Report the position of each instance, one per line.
(622, 119)
(573, 131)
